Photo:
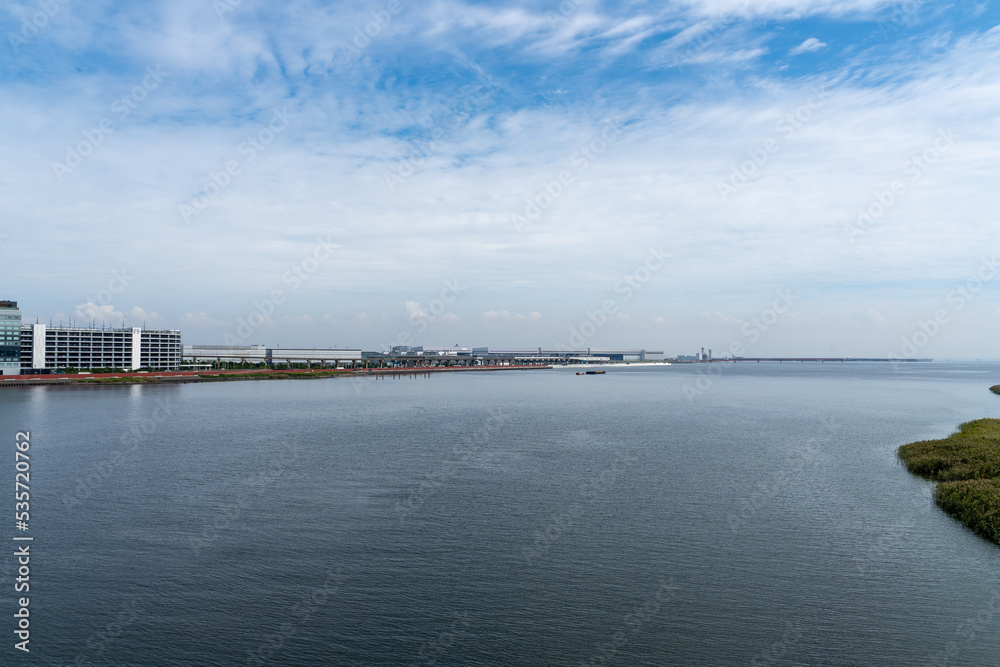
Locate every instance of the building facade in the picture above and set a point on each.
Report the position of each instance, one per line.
(10, 338)
(259, 354)
(45, 347)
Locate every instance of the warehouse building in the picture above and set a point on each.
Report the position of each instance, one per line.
(259, 354)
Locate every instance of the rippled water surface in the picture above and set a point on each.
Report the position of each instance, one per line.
(732, 515)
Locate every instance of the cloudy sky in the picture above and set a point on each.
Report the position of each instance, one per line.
(800, 177)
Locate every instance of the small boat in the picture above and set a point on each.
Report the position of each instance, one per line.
(595, 372)
(581, 373)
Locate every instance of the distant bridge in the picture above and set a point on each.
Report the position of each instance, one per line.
(821, 360)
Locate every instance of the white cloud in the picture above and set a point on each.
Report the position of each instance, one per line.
(297, 320)
(506, 317)
(92, 312)
(202, 321)
(452, 217)
(787, 9)
(413, 311)
(808, 46)
(874, 317)
(140, 315)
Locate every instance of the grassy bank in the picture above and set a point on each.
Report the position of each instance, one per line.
(207, 377)
(967, 465)
(212, 377)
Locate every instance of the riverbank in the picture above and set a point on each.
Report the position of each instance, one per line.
(967, 466)
(239, 375)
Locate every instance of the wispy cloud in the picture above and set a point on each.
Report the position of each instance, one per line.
(698, 88)
(808, 46)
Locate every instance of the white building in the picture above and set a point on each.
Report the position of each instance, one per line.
(44, 347)
(10, 338)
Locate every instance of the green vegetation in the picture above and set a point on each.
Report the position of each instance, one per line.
(268, 376)
(995, 389)
(210, 377)
(975, 502)
(967, 463)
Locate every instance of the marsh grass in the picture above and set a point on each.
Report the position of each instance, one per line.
(967, 463)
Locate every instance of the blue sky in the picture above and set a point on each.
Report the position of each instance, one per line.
(612, 173)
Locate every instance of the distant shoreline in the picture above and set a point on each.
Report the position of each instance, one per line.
(244, 375)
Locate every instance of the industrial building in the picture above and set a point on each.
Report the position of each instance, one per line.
(561, 354)
(259, 354)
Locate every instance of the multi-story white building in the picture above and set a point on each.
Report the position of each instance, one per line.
(10, 338)
(45, 347)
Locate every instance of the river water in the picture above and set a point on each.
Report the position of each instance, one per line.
(743, 514)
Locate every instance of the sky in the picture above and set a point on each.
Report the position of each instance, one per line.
(760, 177)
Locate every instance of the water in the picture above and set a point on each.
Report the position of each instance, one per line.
(750, 515)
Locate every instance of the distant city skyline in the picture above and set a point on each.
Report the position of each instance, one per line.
(797, 178)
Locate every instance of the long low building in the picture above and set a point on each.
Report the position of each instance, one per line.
(259, 354)
(567, 354)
